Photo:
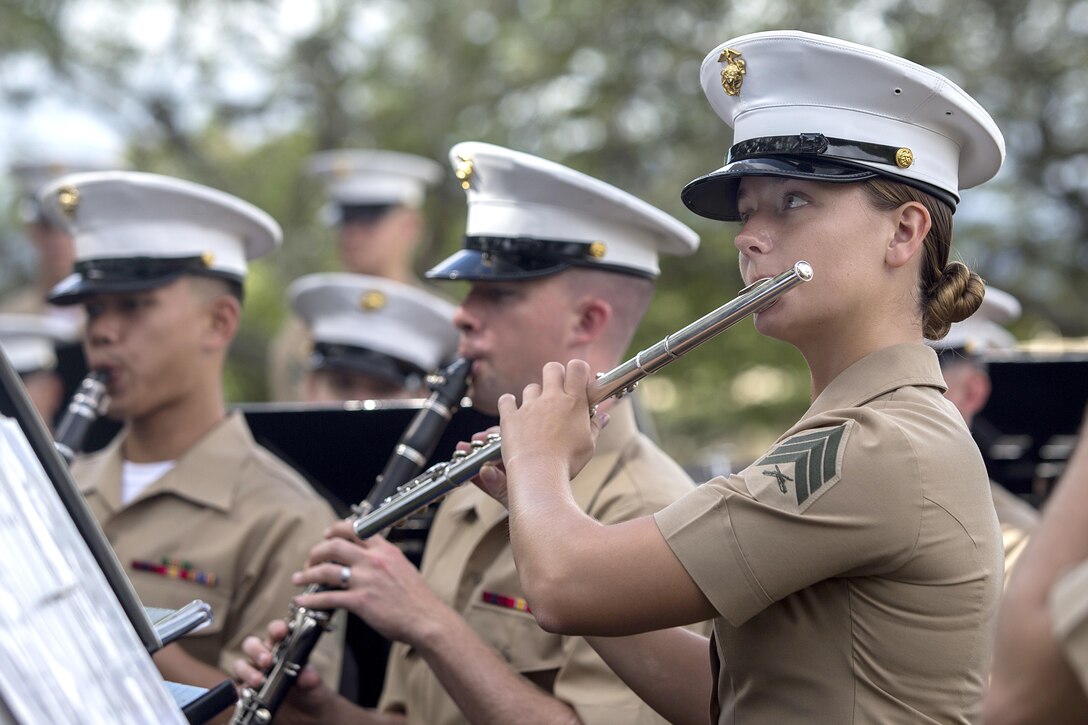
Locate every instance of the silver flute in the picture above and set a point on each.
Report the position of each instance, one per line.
(442, 478)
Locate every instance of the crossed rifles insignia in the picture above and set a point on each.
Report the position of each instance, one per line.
(814, 457)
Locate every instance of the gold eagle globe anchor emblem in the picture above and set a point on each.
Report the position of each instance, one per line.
(735, 69)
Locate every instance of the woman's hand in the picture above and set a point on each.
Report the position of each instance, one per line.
(552, 427)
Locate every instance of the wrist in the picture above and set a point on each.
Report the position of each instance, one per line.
(538, 467)
(432, 630)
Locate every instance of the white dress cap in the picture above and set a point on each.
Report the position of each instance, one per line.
(809, 106)
(362, 322)
(362, 178)
(529, 217)
(30, 341)
(32, 173)
(136, 231)
(983, 331)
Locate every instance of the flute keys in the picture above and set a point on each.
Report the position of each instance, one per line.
(494, 438)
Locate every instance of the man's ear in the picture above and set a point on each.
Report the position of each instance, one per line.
(224, 316)
(593, 314)
(912, 224)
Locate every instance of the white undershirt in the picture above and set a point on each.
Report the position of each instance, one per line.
(135, 477)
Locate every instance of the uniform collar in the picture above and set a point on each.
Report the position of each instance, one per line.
(202, 474)
(878, 373)
(610, 445)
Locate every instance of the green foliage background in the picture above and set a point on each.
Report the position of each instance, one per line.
(609, 88)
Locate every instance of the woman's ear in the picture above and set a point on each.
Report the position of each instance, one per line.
(912, 225)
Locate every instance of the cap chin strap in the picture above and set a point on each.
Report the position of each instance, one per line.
(530, 247)
(333, 356)
(138, 268)
(816, 144)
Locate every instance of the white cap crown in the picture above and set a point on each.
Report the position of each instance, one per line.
(373, 177)
(376, 314)
(529, 217)
(810, 97)
(135, 229)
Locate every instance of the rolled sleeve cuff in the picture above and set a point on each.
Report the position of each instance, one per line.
(698, 529)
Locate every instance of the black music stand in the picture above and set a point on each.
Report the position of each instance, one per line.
(197, 704)
(1029, 425)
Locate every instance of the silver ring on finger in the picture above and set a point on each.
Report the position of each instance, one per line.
(345, 576)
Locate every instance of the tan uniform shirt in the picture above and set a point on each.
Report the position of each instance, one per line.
(856, 566)
(231, 521)
(1018, 520)
(469, 565)
(26, 300)
(1068, 605)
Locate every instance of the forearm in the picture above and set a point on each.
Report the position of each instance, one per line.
(669, 669)
(1031, 678)
(484, 687)
(582, 577)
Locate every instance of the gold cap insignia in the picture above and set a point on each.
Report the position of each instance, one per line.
(208, 258)
(733, 75)
(372, 300)
(68, 197)
(463, 169)
(597, 250)
(904, 157)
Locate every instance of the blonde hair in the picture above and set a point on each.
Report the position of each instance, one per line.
(948, 291)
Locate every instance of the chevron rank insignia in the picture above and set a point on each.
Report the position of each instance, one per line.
(799, 469)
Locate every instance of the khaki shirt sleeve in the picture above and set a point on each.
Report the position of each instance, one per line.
(599, 697)
(1068, 605)
(279, 547)
(813, 508)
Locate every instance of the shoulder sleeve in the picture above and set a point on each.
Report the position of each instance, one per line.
(820, 504)
(644, 481)
(1068, 604)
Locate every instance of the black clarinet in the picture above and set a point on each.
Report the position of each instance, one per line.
(305, 626)
(88, 404)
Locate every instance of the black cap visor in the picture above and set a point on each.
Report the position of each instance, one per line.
(128, 274)
(362, 213)
(497, 259)
(473, 265)
(714, 196)
(331, 356)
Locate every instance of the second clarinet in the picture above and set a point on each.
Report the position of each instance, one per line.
(305, 626)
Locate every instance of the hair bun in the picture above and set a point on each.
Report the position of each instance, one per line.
(955, 297)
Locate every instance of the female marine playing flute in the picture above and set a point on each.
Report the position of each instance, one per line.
(853, 571)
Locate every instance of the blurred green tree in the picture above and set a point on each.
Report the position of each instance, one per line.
(235, 94)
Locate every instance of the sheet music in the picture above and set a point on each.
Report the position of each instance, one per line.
(68, 653)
